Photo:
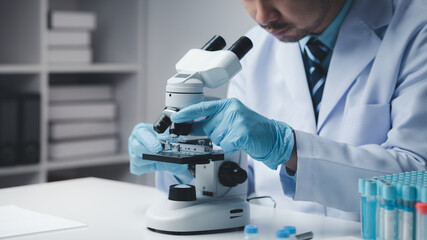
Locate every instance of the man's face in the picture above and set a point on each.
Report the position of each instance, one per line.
(289, 20)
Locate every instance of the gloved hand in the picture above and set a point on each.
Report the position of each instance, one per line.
(144, 139)
(233, 126)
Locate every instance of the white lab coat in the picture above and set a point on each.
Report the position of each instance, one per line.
(373, 117)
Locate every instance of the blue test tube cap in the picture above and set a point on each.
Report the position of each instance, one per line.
(409, 193)
(389, 192)
(251, 229)
(362, 185)
(291, 229)
(371, 188)
(282, 233)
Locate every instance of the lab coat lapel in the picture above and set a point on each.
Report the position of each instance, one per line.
(356, 46)
(288, 57)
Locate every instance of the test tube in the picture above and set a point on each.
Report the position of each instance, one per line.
(362, 206)
(409, 200)
(399, 203)
(421, 220)
(380, 210)
(421, 207)
(380, 221)
(390, 216)
(370, 209)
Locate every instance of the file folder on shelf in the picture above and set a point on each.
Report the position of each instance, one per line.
(29, 146)
(8, 130)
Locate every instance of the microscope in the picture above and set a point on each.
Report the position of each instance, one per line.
(217, 201)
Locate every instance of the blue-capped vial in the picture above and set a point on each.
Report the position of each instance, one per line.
(370, 209)
(400, 212)
(390, 213)
(362, 193)
(251, 232)
(380, 210)
(408, 221)
(282, 234)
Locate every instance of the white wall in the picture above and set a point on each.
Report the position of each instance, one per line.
(174, 27)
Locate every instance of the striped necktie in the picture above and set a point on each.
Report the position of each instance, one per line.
(315, 52)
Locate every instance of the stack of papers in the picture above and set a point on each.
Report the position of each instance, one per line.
(15, 221)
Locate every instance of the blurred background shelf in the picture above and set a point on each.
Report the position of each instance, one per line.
(95, 68)
(133, 47)
(87, 162)
(13, 170)
(19, 68)
(116, 46)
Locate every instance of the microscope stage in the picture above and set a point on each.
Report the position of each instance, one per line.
(184, 158)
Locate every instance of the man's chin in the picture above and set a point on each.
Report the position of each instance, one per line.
(292, 36)
(290, 39)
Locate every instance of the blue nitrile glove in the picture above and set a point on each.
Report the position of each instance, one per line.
(144, 139)
(233, 126)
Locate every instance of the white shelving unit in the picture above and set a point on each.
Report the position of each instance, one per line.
(118, 47)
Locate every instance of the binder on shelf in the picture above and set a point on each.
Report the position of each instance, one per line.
(68, 20)
(29, 146)
(80, 92)
(73, 130)
(9, 137)
(82, 111)
(70, 55)
(82, 148)
(59, 38)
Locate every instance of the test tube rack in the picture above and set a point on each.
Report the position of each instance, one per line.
(394, 206)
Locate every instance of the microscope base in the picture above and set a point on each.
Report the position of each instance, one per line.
(198, 232)
(198, 217)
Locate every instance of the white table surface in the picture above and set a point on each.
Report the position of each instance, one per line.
(116, 210)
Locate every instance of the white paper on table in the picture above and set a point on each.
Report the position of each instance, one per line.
(15, 221)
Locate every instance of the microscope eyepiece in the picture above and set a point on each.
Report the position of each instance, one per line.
(216, 43)
(241, 47)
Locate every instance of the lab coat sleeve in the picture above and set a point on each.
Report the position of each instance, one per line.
(328, 171)
(288, 182)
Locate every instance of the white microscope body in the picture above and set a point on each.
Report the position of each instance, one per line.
(217, 202)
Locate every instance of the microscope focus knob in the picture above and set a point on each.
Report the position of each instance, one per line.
(230, 174)
(182, 192)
